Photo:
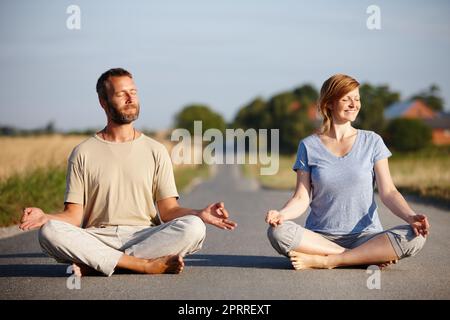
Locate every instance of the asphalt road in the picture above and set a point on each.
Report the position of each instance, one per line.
(237, 265)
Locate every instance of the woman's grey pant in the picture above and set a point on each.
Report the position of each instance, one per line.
(288, 236)
(101, 248)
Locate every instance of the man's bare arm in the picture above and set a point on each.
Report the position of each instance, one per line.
(214, 214)
(33, 218)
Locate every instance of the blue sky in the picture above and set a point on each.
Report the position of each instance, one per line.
(221, 53)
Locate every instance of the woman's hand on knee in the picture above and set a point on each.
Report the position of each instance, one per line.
(274, 218)
(419, 223)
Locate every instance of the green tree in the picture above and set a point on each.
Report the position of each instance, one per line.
(431, 97)
(286, 111)
(408, 134)
(197, 112)
(374, 100)
(307, 94)
(49, 128)
(291, 117)
(253, 115)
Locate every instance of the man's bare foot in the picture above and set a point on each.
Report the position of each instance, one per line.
(384, 265)
(81, 270)
(303, 261)
(166, 264)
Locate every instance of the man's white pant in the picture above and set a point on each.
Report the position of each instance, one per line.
(101, 248)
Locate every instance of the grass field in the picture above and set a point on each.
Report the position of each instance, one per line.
(425, 173)
(33, 173)
(24, 154)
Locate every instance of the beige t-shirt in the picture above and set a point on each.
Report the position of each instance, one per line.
(118, 183)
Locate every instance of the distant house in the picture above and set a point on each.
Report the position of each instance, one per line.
(441, 128)
(417, 109)
(414, 109)
(312, 112)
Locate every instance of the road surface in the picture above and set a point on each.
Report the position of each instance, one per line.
(237, 265)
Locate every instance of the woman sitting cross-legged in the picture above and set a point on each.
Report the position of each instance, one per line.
(336, 173)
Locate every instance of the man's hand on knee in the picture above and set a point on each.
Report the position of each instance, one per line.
(32, 218)
(216, 215)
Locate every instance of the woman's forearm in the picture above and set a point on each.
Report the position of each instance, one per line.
(398, 205)
(294, 208)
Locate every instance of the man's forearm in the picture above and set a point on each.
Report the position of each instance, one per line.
(65, 216)
(178, 212)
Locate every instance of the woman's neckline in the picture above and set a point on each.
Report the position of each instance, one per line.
(345, 155)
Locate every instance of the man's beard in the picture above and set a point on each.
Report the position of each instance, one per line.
(121, 117)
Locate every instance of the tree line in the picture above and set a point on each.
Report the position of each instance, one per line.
(288, 112)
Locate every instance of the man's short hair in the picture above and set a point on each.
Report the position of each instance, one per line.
(101, 82)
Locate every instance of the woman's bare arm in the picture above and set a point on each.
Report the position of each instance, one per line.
(296, 205)
(393, 199)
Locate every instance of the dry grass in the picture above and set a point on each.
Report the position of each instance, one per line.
(421, 174)
(26, 154)
(428, 177)
(32, 173)
(21, 154)
(285, 178)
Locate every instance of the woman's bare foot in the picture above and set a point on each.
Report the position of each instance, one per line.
(384, 265)
(303, 261)
(166, 264)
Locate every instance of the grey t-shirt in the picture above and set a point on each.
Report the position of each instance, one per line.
(342, 187)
